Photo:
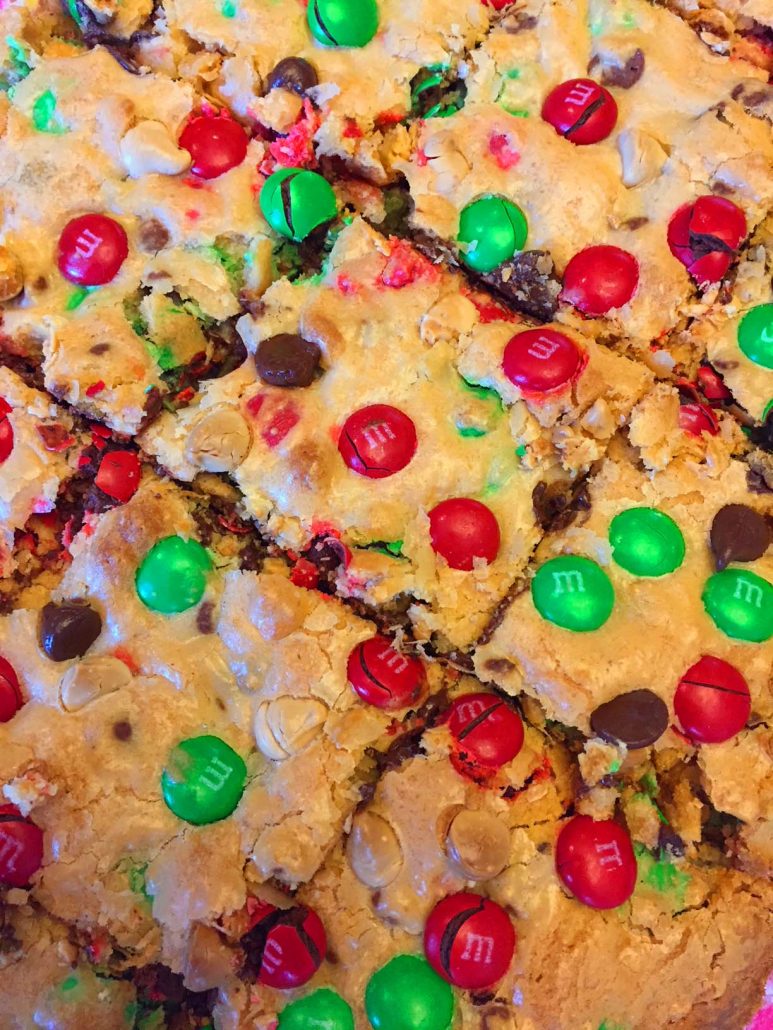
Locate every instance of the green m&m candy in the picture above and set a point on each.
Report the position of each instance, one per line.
(493, 230)
(573, 592)
(740, 603)
(295, 201)
(320, 1010)
(173, 575)
(407, 994)
(203, 780)
(646, 542)
(755, 335)
(342, 22)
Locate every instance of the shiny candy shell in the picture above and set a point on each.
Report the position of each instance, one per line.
(492, 230)
(646, 542)
(92, 249)
(216, 145)
(173, 575)
(740, 603)
(704, 236)
(21, 847)
(581, 110)
(119, 475)
(486, 729)
(6, 431)
(384, 677)
(11, 698)
(407, 994)
(712, 701)
(596, 862)
(755, 335)
(542, 360)
(323, 1009)
(573, 592)
(599, 279)
(696, 419)
(295, 201)
(464, 531)
(289, 944)
(377, 441)
(342, 23)
(469, 940)
(203, 780)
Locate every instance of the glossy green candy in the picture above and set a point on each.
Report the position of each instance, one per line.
(173, 575)
(494, 229)
(573, 592)
(203, 780)
(741, 604)
(755, 335)
(768, 409)
(320, 1010)
(646, 542)
(342, 22)
(407, 994)
(295, 201)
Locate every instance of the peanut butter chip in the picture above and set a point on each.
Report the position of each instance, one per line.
(92, 678)
(11, 275)
(219, 441)
(478, 844)
(373, 850)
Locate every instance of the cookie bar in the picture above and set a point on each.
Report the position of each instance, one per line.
(741, 28)
(383, 407)
(577, 115)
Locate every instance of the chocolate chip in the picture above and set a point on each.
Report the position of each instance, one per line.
(739, 533)
(528, 283)
(99, 348)
(41, 283)
(205, 622)
(67, 630)
(294, 74)
(327, 553)
(287, 360)
(122, 730)
(153, 236)
(557, 504)
(626, 75)
(636, 719)
(635, 223)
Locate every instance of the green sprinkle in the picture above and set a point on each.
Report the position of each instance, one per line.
(21, 68)
(73, 11)
(228, 10)
(470, 431)
(615, 766)
(77, 297)
(162, 356)
(43, 113)
(597, 27)
(513, 73)
(69, 984)
(521, 450)
(628, 21)
(516, 112)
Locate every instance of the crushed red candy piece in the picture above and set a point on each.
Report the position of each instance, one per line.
(55, 437)
(698, 418)
(304, 574)
(503, 150)
(283, 419)
(296, 149)
(405, 265)
(95, 388)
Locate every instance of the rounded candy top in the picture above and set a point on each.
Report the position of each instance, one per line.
(294, 74)
(350, 23)
(739, 533)
(383, 676)
(740, 603)
(704, 235)
(21, 847)
(286, 945)
(494, 230)
(295, 201)
(203, 780)
(377, 441)
(599, 279)
(573, 592)
(407, 994)
(469, 940)
(697, 418)
(323, 1009)
(464, 531)
(581, 110)
(92, 249)
(67, 629)
(486, 729)
(595, 860)
(119, 475)
(173, 575)
(712, 701)
(11, 698)
(755, 335)
(637, 718)
(6, 431)
(287, 360)
(646, 542)
(542, 360)
(216, 145)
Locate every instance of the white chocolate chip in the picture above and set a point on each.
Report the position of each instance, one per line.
(478, 844)
(373, 850)
(219, 441)
(641, 155)
(286, 725)
(92, 678)
(148, 148)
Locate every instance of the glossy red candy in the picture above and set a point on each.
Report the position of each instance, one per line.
(696, 419)
(705, 235)
(383, 676)
(581, 110)
(595, 860)
(119, 475)
(92, 249)
(216, 145)
(599, 279)
(377, 441)
(6, 431)
(462, 530)
(469, 940)
(712, 701)
(11, 698)
(293, 943)
(711, 384)
(21, 847)
(542, 360)
(486, 729)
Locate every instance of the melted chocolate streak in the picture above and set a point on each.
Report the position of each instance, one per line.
(714, 686)
(321, 23)
(371, 677)
(10, 818)
(478, 720)
(370, 468)
(450, 934)
(591, 109)
(287, 204)
(255, 940)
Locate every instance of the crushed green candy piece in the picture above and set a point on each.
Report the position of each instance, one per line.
(487, 393)
(649, 784)
(44, 114)
(20, 66)
(228, 10)
(628, 21)
(661, 874)
(162, 356)
(470, 431)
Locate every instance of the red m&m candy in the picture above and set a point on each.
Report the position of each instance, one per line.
(216, 145)
(599, 279)
(705, 235)
(595, 860)
(581, 110)
(119, 475)
(21, 847)
(377, 441)
(486, 729)
(469, 940)
(92, 249)
(11, 698)
(712, 701)
(285, 947)
(462, 530)
(697, 418)
(542, 360)
(6, 431)
(383, 676)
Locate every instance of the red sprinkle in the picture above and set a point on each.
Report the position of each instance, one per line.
(296, 149)
(503, 151)
(280, 424)
(352, 130)
(95, 388)
(123, 656)
(488, 310)
(254, 404)
(391, 117)
(192, 214)
(346, 285)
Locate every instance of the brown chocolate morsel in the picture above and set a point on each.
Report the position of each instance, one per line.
(294, 74)
(636, 719)
(287, 360)
(626, 75)
(153, 236)
(739, 533)
(122, 730)
(68, 629)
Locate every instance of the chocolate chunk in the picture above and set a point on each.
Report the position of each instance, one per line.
(122, 730)
(153, 236)
(205, 622)
(557, 504)
(67, 630)
(739, 533)
(327, 553)
(528, 283)
(287, 360)
(294, 74)
(636, 719)
(99, 349)
(626, 75)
